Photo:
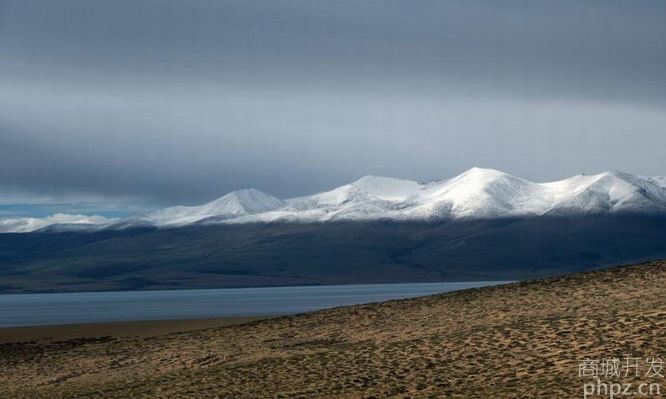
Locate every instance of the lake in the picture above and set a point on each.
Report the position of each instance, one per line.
(91, 307)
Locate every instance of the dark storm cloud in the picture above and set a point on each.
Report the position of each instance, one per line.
(182, 101)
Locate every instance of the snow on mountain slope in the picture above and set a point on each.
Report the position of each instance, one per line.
(658, 180)
(387, 188)
(480, 193)
(365, 189)
(605, 192)
(336, 197)
(28, 224)
(233, 205)
(370, 197)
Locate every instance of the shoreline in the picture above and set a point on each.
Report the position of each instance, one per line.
(115, 329)
(248, 287)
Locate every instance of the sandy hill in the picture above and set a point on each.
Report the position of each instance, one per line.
(519, 340)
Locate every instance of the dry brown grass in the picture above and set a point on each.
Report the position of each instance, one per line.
(520, 340)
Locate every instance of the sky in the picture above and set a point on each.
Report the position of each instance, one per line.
(118, 106)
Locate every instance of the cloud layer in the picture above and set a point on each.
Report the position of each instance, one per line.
(181, 102)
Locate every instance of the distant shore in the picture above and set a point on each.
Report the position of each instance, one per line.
(115, 329)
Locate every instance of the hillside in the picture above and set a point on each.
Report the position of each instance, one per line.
(219, 256)
(519, 340)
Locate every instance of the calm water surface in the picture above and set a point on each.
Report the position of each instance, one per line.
(90, 307)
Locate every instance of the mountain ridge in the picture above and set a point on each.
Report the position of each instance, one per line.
(477, 193)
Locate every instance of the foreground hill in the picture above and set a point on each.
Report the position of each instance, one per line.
(519, 340)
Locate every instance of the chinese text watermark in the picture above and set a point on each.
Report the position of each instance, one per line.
(603, 377)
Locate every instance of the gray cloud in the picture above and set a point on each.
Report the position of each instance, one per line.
(182, 101)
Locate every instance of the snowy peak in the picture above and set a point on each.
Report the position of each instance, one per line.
(482, 173)
(247, 201)
(235, 204)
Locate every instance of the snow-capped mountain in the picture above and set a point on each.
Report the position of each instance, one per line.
(233, 205)
(475, 194)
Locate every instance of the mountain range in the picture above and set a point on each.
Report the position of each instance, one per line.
(475, 194)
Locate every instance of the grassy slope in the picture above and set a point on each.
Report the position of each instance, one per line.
(518, 340)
